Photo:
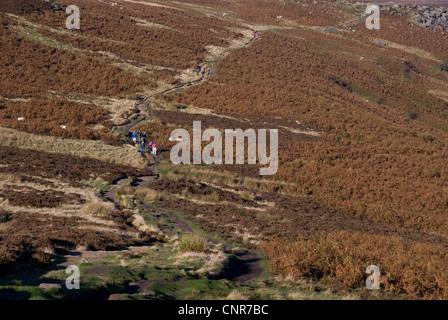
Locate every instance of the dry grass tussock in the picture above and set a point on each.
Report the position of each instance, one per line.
(192, 242)
(153, 195)
(236, 295)
(98, 208)
(141, 225)
(209, 263)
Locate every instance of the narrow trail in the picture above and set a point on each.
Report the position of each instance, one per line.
(206, 73)
(248, 267)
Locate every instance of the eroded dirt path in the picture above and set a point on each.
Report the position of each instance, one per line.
(205, 74)
(249, 266)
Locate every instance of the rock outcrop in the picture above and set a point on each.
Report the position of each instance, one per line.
(425, 16)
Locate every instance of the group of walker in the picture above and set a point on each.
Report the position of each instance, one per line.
(138, 137)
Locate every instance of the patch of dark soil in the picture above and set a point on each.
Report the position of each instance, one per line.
(97, 271)
(63, 167)
(27, 196)
(5, 216)
(244, 269)
(145, 180)
(140, 286)
(42, 182)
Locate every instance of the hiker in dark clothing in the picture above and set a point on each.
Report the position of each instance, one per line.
(198, 67)
(143, 144)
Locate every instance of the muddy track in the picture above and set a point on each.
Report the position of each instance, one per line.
(248, 267)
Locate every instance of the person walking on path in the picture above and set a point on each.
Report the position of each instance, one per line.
(134, 138)
(154, 148)
(198, 67)
(143, 143)
(256, 35)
